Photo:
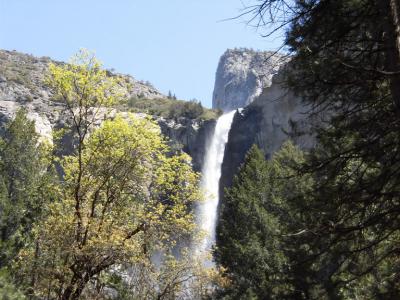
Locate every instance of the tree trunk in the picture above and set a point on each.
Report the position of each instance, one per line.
(395, 16)
(391, 13)
(34, 274)
(67, 293)
(71, 287)
(79, 289)
(74, 291)
(78, 283)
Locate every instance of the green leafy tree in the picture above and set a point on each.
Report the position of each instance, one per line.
(192, 109)
(133, 200)
(121, 199)
(8, 291)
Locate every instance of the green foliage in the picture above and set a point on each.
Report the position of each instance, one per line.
(190, 109)
(23, 184)
(170, 96)
(121, 201)
(172, 108)
(260, 212)
(345, 65)
(183, 278)
(83, 83)
(8, 291)
(277, 237)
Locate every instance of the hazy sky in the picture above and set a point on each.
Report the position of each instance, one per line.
(174, 44)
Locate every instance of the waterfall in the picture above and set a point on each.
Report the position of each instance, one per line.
(211, 173)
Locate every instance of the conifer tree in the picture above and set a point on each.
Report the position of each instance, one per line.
(259, 215)
(346, 64)
(23, 184)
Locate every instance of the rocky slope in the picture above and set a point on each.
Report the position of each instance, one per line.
(22, 85)
(241, 76)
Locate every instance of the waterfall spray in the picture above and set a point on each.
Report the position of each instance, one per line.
(211, 173)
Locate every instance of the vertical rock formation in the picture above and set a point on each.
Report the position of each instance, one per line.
(274, 117)
(241, 76)
(189, 135)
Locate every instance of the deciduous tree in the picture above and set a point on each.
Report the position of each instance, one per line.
(121, 199)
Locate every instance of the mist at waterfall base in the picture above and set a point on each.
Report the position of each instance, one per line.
(211, 172)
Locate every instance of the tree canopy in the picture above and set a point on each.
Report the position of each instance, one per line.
(24, 180)
(120, 209)
(345, 66)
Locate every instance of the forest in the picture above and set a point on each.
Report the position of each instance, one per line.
(114, 217)
(324, 223)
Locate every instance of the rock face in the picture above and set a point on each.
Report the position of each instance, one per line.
(189, 135)
(274, 117)
(271, 114)
(22, 86)
(241, 76)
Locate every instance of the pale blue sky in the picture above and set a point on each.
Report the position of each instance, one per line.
(174, 44)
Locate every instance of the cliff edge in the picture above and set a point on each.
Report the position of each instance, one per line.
(241, 76)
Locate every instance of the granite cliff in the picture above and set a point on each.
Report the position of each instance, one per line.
(273, 117)
(241, 76)
(246, 77)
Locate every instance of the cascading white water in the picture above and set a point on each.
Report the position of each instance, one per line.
(211, 173)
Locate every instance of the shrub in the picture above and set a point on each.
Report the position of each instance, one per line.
(170, 108)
